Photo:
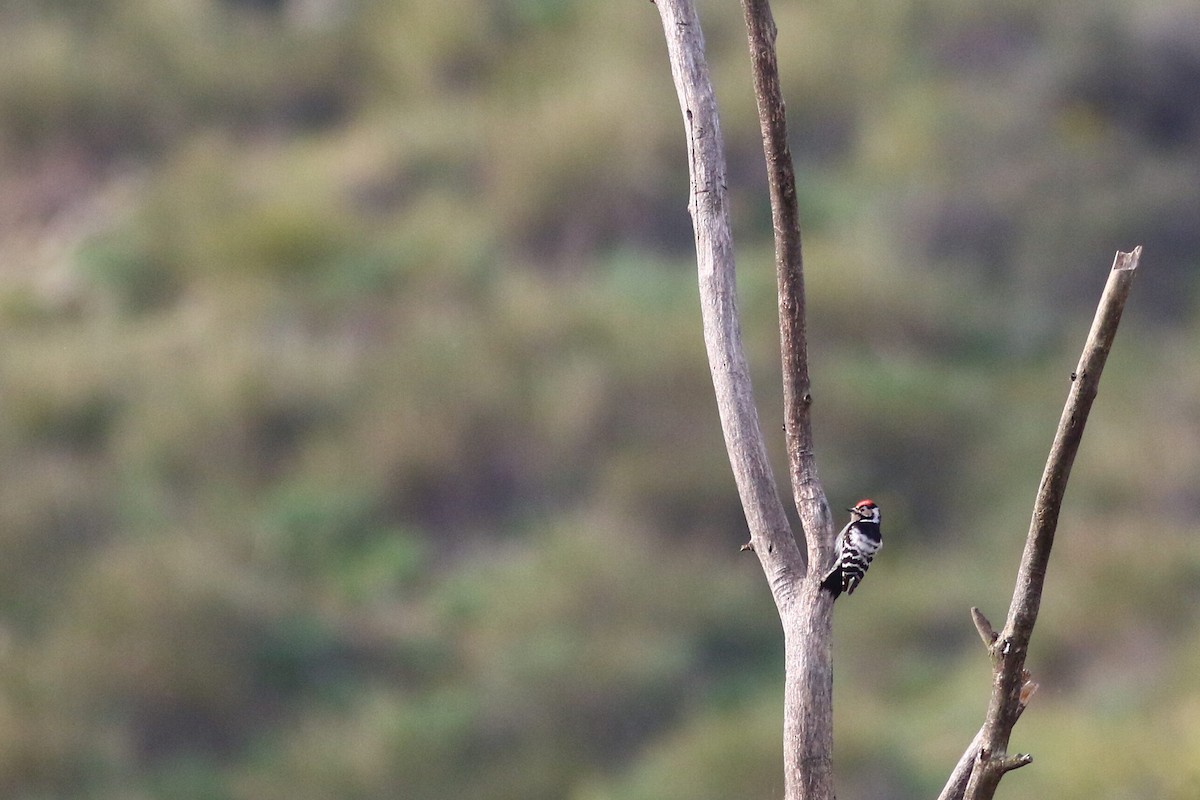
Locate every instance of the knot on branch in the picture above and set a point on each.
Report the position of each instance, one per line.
(986, 632)
(1002, 763)
(1015, 762)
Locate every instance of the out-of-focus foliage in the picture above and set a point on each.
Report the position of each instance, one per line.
(357, 439)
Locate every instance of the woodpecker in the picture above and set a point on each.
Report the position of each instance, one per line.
(857, 544)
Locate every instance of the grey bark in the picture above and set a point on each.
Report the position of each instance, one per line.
(808, 619)
(805, 612)
(793, 574)
(986, 760)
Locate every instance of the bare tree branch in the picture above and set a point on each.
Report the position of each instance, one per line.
(956, 785)
(804, 611)
(789, 267)
(957, 782)
(1012, 687)
(770, 533)
(808, 623)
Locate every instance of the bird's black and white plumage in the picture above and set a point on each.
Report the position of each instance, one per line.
(857, 544)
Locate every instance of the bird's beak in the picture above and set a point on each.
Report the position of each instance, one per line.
(852, 510)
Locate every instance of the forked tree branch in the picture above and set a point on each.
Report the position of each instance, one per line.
(808, 624)
(770, 533)
(806, 612)
(986, 760)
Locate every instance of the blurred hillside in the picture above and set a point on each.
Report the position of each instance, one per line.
(358, 440)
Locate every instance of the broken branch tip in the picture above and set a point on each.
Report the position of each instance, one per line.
(1128, 261)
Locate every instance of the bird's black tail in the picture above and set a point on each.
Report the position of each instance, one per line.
(833, 582)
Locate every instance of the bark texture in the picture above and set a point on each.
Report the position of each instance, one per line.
(805, 612)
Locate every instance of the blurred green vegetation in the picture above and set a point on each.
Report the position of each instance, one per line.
(358, 440)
